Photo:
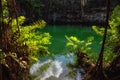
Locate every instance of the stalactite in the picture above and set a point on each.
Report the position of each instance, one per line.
(82, 7)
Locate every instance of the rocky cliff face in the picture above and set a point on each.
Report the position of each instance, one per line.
(66, 11)
(72, 12)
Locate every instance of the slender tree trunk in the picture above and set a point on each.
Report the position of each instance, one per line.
(13, 12)
(1, 17)
(98, 70)
(1, 20)
(100, 59)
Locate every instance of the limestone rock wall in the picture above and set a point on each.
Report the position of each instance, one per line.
(66, 11)
(70, 11)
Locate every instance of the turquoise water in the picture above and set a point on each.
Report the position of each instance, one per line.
(57, 69)
(59, 41)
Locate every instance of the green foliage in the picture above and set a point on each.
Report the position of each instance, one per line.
(75, 45)
(115, 23)
(20, 44)
(5, 8)
(36, 41)
(81, 49)
(113, 35)
(13, 51)
(29, 40)
(98, 30)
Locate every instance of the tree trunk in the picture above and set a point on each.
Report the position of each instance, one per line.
(97, 71)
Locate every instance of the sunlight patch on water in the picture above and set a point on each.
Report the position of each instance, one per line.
(78, 75)
(56, 69)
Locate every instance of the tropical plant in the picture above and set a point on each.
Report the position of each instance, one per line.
(75, 45)
(81, 49)
(19, 44)
(32, 37)
(113, 33)
(112, 49)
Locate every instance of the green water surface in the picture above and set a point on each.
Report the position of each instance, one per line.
(59, 41)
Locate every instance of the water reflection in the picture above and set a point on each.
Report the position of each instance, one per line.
(55, 69)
